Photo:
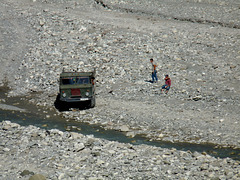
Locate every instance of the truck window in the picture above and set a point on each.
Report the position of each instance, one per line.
(75, 80)
(67, 81)
(83, 80)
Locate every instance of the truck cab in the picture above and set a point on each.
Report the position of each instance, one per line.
(77, 87)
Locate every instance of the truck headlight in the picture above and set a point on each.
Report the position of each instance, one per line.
(87, 93)
(64, 95)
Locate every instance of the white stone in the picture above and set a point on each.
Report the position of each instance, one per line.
(124, 128)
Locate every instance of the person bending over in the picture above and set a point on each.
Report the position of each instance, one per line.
(167, 84)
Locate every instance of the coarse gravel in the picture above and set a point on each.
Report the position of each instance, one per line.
(196, 42)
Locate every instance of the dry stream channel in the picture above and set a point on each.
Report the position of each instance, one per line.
(10, 109)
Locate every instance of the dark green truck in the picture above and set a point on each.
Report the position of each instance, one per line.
(77, 87)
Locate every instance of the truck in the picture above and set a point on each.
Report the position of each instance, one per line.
(77, 87)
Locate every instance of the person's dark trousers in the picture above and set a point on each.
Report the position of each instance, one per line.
(154, 76)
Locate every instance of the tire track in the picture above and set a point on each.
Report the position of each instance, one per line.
(164, 16)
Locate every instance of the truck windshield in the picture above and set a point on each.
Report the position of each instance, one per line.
(75, 80)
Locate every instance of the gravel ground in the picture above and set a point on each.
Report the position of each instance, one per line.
(38, 154)
(196, 42)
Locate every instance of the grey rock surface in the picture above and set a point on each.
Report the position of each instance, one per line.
(53, 155)
(196, 42)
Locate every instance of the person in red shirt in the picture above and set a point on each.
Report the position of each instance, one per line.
(167, 84)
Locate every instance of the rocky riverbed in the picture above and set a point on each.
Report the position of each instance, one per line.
(31, 152)
(195, 42)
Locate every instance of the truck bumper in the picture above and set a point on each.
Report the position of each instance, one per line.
(75, 99)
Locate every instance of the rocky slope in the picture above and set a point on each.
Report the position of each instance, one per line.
(195, 42)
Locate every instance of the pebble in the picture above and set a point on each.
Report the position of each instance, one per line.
(124, 128)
